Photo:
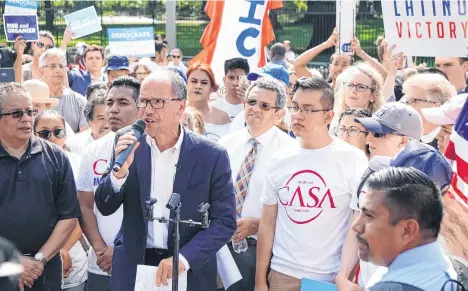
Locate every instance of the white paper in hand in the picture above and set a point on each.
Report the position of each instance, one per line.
(146, 280)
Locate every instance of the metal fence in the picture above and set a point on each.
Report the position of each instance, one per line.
(304, 23)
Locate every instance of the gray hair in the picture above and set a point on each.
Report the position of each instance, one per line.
(52, 52)
(179, 88)
(97, 98)
(7, 89)
(270, 84)
(48, 34)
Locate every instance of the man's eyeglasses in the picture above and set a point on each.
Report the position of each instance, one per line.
(155, 103)
(41, 45)
(263, 105)
(47, 134)
(359, 87)
(414, 101)
(306, 111)
(17, 114)
(176, 57)
(351, 131)
(55, 66)
(383, 135)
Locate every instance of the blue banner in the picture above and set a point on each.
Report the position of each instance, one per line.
(26, 4)
(21, 25)
(83, 22)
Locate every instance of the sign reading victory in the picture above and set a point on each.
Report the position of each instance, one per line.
(427, 27)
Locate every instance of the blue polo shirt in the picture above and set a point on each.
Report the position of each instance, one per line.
(36, 192)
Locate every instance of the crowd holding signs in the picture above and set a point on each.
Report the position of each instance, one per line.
(284, 179)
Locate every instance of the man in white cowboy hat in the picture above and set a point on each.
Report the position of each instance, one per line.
(41, 100)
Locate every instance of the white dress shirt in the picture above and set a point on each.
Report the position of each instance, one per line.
(163, 171)
(238, 146)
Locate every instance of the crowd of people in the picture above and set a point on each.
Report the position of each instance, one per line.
(339, 178)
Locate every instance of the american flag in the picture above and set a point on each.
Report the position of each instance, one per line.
(457, 153)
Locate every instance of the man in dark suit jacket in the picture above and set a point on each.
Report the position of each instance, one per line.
(201, 173)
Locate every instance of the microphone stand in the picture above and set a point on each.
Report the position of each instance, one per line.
(174, 205)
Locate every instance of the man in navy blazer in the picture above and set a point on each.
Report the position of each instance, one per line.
(168, 159)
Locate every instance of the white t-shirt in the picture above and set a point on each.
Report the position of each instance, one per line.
(231, 109)
(238, 147)
(80, 142)
(237, 123)
(313, 190)
(216, 131)
(93, 166)
(78, 273)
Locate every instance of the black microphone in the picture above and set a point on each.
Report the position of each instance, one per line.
(138, 128)
(173, 202)
(150, 201)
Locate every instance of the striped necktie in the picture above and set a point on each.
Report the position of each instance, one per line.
(243, 177)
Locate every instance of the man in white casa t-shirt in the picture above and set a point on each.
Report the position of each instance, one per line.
(121, 111)
(307, 196)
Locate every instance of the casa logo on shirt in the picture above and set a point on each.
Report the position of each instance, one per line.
(99, 168)
(305, 196)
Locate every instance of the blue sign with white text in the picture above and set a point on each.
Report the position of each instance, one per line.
(21, 25)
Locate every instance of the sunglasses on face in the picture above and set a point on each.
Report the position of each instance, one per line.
(176, 57)
(263, 105)
(47, 134)
(17, 114)
(41, 45)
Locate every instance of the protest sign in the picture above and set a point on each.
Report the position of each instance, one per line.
(7, 75)
(427, 27)
(21, 25)
(133, 41)
(346, 24)
(21, 7)
(83, 22)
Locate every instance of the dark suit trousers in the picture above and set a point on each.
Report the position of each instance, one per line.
(246, 262)
(154, 256)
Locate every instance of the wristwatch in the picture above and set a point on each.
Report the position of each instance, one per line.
(41, 258)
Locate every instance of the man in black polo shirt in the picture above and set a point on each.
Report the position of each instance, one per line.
(38, 200)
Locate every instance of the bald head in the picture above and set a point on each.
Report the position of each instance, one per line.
(178, 86)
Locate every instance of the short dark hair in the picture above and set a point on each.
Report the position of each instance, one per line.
(127, 81)
(462, 60)
(236, 63)
(435, 71)
(158, 46)
(410, 194)
(351, 58)
(98, 97)
(45, 113)
(358, 112)
(317, 84)
(93, 48)
(94, 86)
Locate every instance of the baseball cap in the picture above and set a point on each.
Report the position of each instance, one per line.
(447, 113)
(271, 70)
(178, 71)
(426, 159)
(394, 117)
(39, 92)
(117, 63)
(80, 48)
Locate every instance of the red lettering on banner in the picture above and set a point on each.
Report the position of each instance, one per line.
(409, 29)
(399, 28)
(418, 25)
(465, 26)
(440, 29)
(428, 23)
(452, 29)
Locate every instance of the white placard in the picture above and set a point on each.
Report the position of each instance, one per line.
(346, 24)
(146, 280)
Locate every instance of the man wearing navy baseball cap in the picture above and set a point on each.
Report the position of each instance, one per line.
(391, 127)
(116, 66)
(271, 70)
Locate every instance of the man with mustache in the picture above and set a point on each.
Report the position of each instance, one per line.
(121, 111)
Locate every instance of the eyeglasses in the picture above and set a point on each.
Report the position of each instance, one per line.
(263, 105)
(20, 113)
(55, 66)
(413, 101)
(350, 131)
(359, 87)
(41, 45)
(306, 111)
(383, 135)
(47, 134)
(155, 103)
(176, 57)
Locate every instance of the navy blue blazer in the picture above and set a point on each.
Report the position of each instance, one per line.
(204, 175)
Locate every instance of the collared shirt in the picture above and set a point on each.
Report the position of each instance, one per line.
(36, 192)
(238, 146)
(163, 170)
(425, 267)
